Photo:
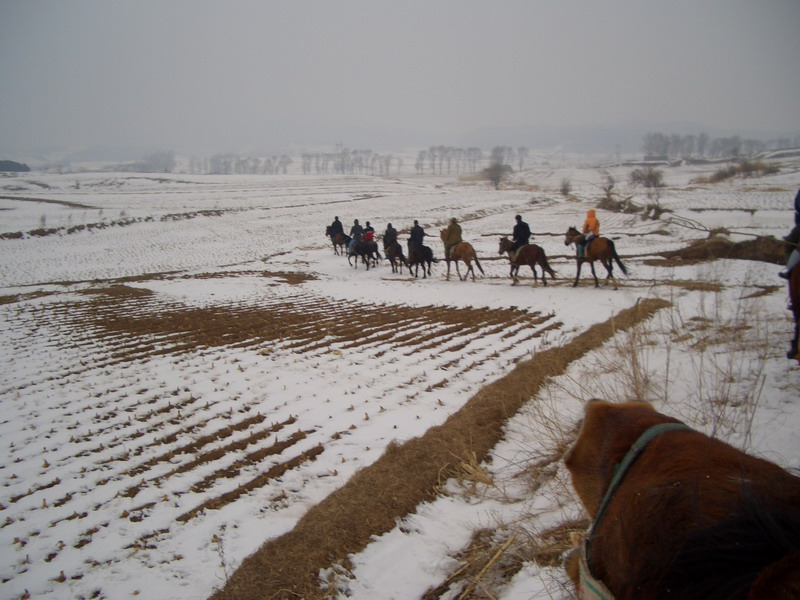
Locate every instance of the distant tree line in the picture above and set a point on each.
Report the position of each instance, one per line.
(703, 146)
(345, 161)
(451, 160)
(233, 164)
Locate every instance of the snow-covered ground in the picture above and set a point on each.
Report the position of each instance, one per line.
(173, 394)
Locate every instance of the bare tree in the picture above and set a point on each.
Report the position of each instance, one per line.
(522, 156)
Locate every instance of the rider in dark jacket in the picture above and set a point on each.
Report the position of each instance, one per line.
(356, 233)
(415, 237)
(336, 227)
(793, 240)
(389, 236)
(521, 234)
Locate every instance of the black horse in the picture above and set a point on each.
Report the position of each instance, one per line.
(420, 255)
(367, 252)
(394, 252)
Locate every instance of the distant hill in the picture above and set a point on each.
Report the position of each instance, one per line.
(11, 166)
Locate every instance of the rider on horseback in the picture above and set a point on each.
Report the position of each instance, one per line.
(389, 237)
(521, 237)
(415, 237)
(452, 237)
(357, 234)
(369, 233)
(591, 230)
(336, 227)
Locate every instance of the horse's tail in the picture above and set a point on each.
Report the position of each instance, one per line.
(546, 266)
(615, 256)
(478, 264)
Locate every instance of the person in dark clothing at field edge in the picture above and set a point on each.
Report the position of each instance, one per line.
(415, 237)
(521, 234)
(793, 239)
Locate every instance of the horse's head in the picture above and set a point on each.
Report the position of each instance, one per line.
(571, 235)
(443, 234)
(505, 244)
(328, 230)
(606, 434)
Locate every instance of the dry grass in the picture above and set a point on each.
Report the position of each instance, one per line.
(765, 249)
(406, 475)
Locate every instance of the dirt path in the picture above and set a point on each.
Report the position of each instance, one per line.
(406, 475)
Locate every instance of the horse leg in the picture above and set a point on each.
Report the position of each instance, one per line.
(578, 274)
(610, 269)
(447, 260)
(594, 274)
(544, 271)
(536, 275)
(458, 272)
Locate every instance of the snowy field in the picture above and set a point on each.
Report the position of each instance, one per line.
(187, 366)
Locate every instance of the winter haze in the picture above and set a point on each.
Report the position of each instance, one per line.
(208, 76)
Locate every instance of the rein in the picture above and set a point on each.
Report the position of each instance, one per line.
(591, 586)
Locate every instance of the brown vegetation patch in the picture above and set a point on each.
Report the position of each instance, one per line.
(766, 290)
(765, 249)
(696, 286)
(406, 475)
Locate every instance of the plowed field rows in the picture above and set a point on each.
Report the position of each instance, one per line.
(154, 412)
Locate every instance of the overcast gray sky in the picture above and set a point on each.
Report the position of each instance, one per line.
(218, 75)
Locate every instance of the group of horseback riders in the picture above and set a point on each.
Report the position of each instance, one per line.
(366, 233)
(522, 234)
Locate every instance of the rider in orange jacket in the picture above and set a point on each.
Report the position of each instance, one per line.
(591, 230)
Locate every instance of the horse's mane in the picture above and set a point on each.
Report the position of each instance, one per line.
(722, 562)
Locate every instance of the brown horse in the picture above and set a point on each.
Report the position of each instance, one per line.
(530, 255)
(461, 252)
(794, 298)
(678, 514)
(601, 249)
(339, 240)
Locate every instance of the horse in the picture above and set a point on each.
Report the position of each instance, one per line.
(462, 251)
(530, 255)
(338, 239)
(394, 252)
(601, 249)
(366, 251)
(794, 299)
(678, 514)
(420, 255)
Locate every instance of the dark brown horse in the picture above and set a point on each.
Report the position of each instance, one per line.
(530, 255)
(367, 252)
(794, 298)
(394, 252)
(339, 240)
(678, 514)
(600, 249)
(421, 255)
(462, 252)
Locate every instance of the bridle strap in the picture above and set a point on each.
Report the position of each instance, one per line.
(619, 473)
